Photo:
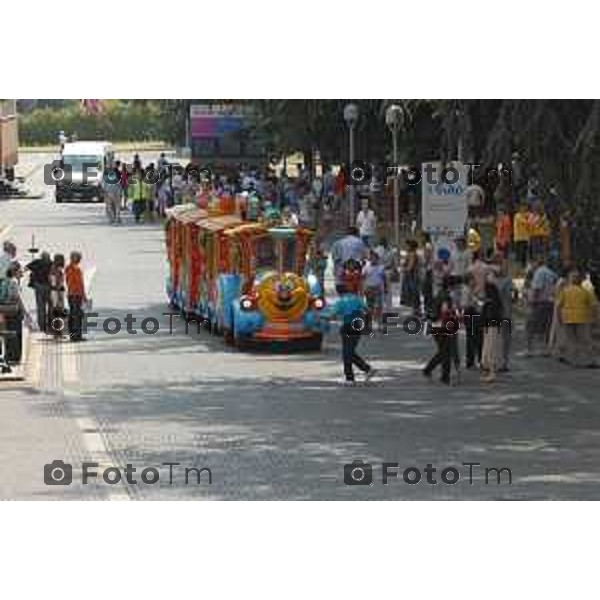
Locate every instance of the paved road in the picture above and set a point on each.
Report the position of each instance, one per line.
(268, 427)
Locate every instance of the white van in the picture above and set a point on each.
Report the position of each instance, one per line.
(83, 167)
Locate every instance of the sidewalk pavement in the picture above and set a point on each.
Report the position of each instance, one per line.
(36, 428)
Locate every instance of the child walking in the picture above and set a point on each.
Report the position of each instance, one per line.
(445, 332)
(351, 311)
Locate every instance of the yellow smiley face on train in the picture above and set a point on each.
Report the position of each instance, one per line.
(283, 297)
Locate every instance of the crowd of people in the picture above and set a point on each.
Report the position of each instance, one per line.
(534, 261)
(471, 286)
(60, 297)
(476, 291)
(149, 190)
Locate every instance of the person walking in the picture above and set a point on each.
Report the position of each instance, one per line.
(445, 333)
(124, 186)
(39, 281)
(113, 192)
(460, 263)
(577, 307)
(57, 296)
(164, 196)
(472, 315)
(504, 283)
(374, 285)
(350, 309)
(137, 195)
(13, 320)
(389, 260)
(541, 304)
(76, 296)
(492, 318)
(151, 177)
(556, 338)
(366, 221)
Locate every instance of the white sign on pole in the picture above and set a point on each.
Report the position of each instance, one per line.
(444, 197)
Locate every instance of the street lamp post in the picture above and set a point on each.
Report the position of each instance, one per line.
(351, 118)
(394, 118)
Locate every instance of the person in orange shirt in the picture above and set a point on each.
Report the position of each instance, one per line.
(503, 232)
(75, 296)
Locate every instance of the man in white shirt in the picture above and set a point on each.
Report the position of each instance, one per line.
(366, 221)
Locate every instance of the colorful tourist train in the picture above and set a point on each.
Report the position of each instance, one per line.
(248, 280)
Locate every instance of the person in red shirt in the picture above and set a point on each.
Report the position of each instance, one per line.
(76, 296)
(503, 232)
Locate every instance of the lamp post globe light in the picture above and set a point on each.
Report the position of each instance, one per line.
(351, 114)
(394, 118)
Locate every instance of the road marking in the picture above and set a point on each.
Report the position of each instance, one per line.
(88, 277)
(70, 367)
(4, 231)
(92, 438)
(94, 444)
(32, 170)
(34, 361)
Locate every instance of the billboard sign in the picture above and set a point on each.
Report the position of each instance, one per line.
(215, 120)
(444, 205)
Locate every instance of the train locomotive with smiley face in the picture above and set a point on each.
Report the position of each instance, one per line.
(247, 280)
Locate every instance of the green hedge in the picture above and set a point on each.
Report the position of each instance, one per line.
(117, 123)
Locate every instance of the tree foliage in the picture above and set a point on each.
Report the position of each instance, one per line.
(559, 140)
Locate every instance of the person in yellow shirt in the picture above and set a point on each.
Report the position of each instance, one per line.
(473, 240)
(522, 234)
(539, 230)
(577, 309)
